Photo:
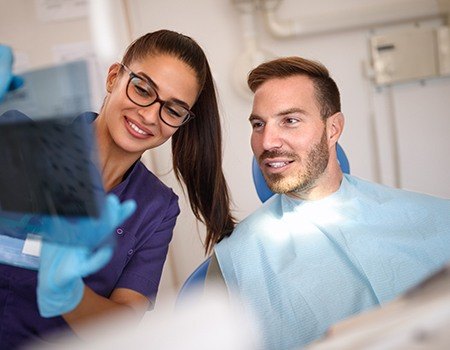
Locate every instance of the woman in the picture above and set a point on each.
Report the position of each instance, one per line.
(162, 89)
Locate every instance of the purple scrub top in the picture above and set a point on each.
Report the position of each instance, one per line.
(142, 245)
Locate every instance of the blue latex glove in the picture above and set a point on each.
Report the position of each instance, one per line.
(7, 80)
(60, 285)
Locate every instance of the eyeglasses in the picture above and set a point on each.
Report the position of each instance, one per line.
(140, 92)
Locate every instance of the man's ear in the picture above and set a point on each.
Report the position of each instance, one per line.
(113, 74)
(335, 126)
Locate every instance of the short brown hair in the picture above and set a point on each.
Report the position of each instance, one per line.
(325, 88)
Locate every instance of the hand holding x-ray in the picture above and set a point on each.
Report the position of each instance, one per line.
(62, 267)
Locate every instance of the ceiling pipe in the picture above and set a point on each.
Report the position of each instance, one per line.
(252, 54)
(362, 16)
(110, 31)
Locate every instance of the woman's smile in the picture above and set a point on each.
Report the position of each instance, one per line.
(137, 130)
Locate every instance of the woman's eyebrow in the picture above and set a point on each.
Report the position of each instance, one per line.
(149, 80)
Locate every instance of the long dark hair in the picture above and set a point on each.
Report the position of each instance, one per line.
(197, 145)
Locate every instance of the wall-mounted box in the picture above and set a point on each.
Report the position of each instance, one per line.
(443, 43)
(404, 55)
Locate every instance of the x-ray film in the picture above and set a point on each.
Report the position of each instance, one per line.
(48, 156)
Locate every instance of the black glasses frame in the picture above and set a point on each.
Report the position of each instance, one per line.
(161, 102)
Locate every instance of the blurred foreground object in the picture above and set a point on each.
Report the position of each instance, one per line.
(51, 166)
(50, 151)
(164, 329)
(48, 157)
(420, 319)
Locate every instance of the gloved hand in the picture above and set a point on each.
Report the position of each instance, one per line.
(60, 285)
(7, 80)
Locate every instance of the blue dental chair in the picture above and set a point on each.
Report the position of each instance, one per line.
(197, 277)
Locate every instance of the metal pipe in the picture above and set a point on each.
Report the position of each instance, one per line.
(109, 29)
(252, 54)
(363, 16)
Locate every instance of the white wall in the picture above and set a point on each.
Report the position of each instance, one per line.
(33, 39)
(419, 109)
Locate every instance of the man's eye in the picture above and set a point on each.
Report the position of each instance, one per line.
(256, 124)
(291, 121)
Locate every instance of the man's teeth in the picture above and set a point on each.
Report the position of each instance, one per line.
(278, 164)
(135, 128)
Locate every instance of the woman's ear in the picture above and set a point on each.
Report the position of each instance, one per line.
(335, 126)
(113, 74)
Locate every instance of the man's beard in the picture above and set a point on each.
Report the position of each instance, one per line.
(313, 166)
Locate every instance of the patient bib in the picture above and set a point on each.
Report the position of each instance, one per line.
(301, 266)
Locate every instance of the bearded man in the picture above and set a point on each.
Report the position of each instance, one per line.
(328, 245)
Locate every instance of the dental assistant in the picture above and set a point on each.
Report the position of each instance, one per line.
(162, 89)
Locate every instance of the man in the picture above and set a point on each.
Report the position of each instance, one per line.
(327, 245)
